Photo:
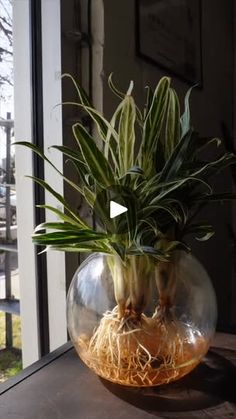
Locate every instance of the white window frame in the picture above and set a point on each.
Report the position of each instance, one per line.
(51, 60)
(24, 187)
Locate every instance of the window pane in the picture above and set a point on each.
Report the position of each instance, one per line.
(10, 324)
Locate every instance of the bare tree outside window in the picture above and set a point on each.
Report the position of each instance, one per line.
(6, 50)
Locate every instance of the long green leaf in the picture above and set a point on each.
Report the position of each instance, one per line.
(67, 237)
(153, 123)
(76, 158)
(38, 151)
(81, 92)
(185, 118)
(126, 135)
(177, 185)
(149, 99)
(114, 89)
(89, 196)
(202, 232)
(81, 248)
(146, 212)
(148, 250)
(103, 126)
(176, 159)
(67, 151)
(60, 226)
(172, 124)
(97, 163)
(62, 216)
(111, 145)
(216, 166)
(60, 198)
(119, 249)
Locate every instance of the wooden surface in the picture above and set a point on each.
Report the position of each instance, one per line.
(61, 387)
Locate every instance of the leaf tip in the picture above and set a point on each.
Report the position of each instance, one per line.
(130, 89)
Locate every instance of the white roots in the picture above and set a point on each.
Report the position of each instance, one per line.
(147, 352)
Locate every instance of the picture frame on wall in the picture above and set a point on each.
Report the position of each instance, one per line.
(168, 35)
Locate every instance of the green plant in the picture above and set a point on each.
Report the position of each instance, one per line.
(167, 174)
(169, 178)
(157, 154)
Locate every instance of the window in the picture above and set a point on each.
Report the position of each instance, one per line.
(37, 87)
(10, 325)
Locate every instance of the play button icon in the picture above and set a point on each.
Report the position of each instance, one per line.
(116, 209)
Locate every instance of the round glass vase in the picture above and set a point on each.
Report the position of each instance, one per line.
(142, 322)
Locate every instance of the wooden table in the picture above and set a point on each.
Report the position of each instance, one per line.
(59, 386)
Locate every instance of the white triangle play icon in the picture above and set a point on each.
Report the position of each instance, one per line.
(116, 209)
